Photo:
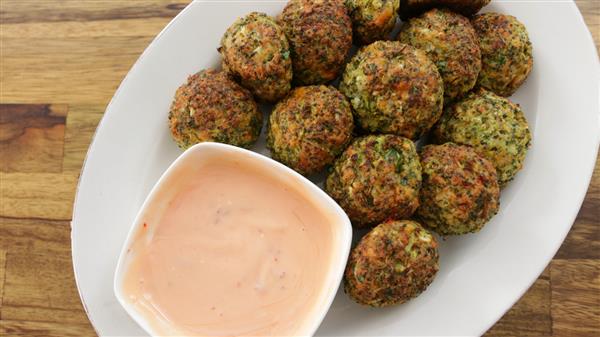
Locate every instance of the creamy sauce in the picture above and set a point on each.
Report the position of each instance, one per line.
(229, 250)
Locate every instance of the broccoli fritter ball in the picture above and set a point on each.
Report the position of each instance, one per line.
(410, 8)
(210, 107)
(310, 128)
(393, 88)
(376, 178)
(451, 43)
(506, 53)
(395, 262)
(460, 191)
(256, 52)
(320, 37)
(372, 20)
(491, 124)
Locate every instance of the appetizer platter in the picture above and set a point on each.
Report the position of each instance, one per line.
(430, 126)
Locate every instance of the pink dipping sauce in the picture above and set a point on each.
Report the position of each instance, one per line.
(225, 249)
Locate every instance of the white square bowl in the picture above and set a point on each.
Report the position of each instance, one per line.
(171, 181)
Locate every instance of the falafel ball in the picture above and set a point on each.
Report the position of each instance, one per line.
(506, 52)
(451, 43)
(395, 262)
(320, 37)
(372, 20)
(494, 126)
(460, 191)
(376, 178)
(309, 128)
(410, 8)
(256, 52)
(393, 88)
(212, 107)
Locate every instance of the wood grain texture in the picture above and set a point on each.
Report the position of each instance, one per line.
(2, 276)
(60, 63)
(78, 29)
(583, 241)
(40, 287)
(89, 72)
(45, 237)
(30, 135)
(590, 9)
(81, 125)
(44, 329)
(37, 195)
(34, 11)
(576, 297)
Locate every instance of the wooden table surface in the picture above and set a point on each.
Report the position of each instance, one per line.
(61, 62)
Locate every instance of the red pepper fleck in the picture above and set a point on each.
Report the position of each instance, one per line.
(145, 225)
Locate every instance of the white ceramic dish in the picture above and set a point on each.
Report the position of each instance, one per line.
(207, 152)
(481, 275)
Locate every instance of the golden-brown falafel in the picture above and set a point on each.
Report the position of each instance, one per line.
(210, 106)
(395, 262)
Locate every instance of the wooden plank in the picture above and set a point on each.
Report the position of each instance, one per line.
(49, 237)
(590, 9)
(18, 11)
(41, 70)
(2, 276)
(41, 288)
(583, 242)
(37, 195)
(42, 314)
(44, 329)
(81, 125)
(31, 137)
(88, 29)
(575, 297)
(530, 316)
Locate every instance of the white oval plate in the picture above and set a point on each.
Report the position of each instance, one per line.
(481, 275)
